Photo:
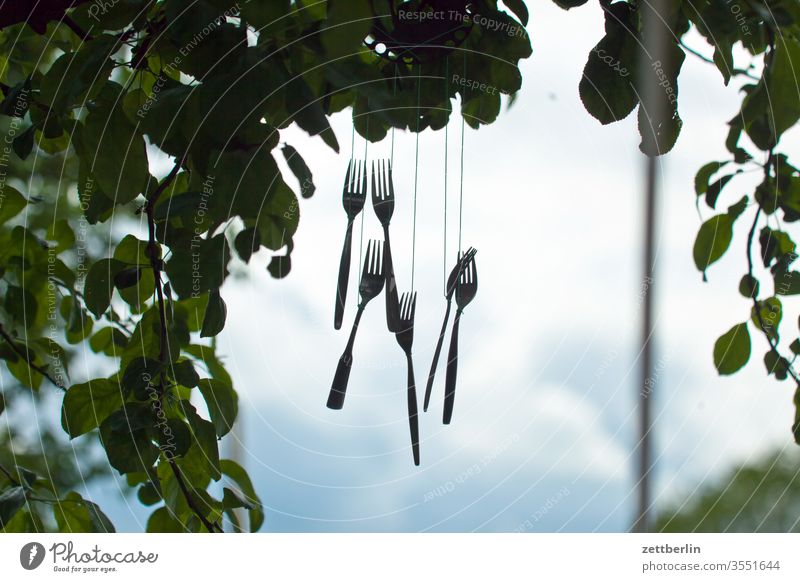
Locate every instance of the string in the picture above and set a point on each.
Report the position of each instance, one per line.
(416, 176)
(461, 185)
(363, 212)
(446, 149)
(394, 94)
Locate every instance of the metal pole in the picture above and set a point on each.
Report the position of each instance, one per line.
(656, 41)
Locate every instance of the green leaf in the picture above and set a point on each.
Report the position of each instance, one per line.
(87, 405)
(703, 176)
(749, 287)
(11, 501)
(767, 316)
(300, 170)
(242, 479)
(216, 312)
(567, 4)
(715, 189)
(11, 204)
(139, 377)
(787, 283)
(75, 77)
(607, 86)
(732, 350)
(99, 288)
(247, 242)
(222, 402)
(519, 9)
(715, 236)
(204, 441)
(118, 156)
(162, 520)
(127, 438)
(74, 514)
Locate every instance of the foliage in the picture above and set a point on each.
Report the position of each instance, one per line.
(763, 496)
(102, 89)
(768, 33)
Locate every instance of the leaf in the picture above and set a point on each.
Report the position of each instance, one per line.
(118, 159)
(75, 77)
(216, 312)
(767, 316)
(11, 501)
(300, 170)
(715, 236)
(247, 242)
(74, 514)
(127, 438)
(787, 283)
(732, 350)
(242, 479)
(749, 287)
(87, 405)
(520, 10)
(98, 288)
(222, 402)
(703, 176)
(11, 204)
(715, 188)
(162, 520)
(607, 86)
(567, 4)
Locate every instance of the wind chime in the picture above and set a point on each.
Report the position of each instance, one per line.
(408, 42)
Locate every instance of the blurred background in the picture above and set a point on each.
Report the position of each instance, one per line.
(544, 432)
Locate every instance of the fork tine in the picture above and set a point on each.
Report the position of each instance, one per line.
(379, 259)
(390, 182)
(363, 191)
(367, 259)
(403, 306)
(413, 307)
(348, 177)
(375, 192)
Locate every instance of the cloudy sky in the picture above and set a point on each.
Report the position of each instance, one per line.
(544, 428)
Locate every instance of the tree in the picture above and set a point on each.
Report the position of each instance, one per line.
(763, 496)
(211, 83)
(94, 89)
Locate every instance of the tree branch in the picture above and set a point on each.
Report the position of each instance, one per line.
(153, 254)
(35, 13)
(24, 355)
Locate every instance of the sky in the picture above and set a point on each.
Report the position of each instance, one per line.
(544, 431)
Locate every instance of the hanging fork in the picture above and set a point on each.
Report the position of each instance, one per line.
(452, 281)
(405, 337)
(354, 194)
(383, 204)
(466, 290)
(371, 285)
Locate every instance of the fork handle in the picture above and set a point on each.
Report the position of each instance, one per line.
(452, 371)
(342, 375)
(392, 302)
(344, 275)
(413, 412)
(435, 363)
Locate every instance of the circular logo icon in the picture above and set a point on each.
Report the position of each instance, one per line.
(31, 555)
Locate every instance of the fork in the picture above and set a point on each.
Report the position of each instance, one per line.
(383, 204)
(466, 289)
(354, 194)
(372, 280)
(405, 337)
(452, 280)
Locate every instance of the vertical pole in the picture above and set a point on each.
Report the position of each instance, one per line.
(655, 39)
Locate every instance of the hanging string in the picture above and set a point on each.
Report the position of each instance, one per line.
(364, 211)
(394, 94)
(446, 149)
(461, 185)
(416, 176)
